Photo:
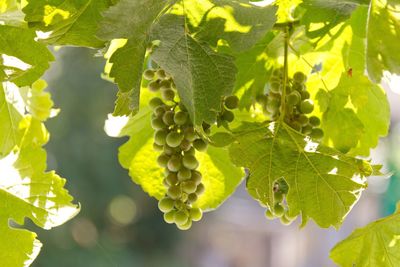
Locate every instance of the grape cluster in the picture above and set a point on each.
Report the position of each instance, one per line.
(298, 104)
(280, 209)
(177, 141)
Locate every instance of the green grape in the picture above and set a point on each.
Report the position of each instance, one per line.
(200, 189)
(275, 87)
(181, 217)
(293, 98)
(185, 226)
(231, 102)
(190, 162)
(161, 73)
(192, 198)
(168, 117)
(269, 215)
(166, 204)
(160, 136)
(284, 220)
(306, 106)
(165, 183)
(179, 204)
(184, 174)
(174, 139)
(157, 124)
(273, 105)
(278, 197)
(295, 125)
(228, 116)
(302, 119)
(168, 94)
(191, 151)
(317, 133)
(196, 177)
(172, 178)
(190, 134)
(159, 111)
(298, 87)
(304, 95)
(169, 217)
(155, 102)
(165, 84)
(189, 187)
(315, 121)
(196, 214)
(154, 86)
(180, 118)
(200, 145)
(299, 77)
(174, 164)
(307, 129)
(174, 192)
(277, 72)
(278, 210)
(163, 160)
(262, 99)
(185, 145)
(157, 147)
(148, 74)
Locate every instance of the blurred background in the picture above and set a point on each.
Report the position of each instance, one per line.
(120, 226)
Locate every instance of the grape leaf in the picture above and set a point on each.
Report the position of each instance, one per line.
(131, 20)
(323, 183)
(24, 60)
(67, 22)
(373, 245)
(361, 109)
(202, 76)
(382, 38)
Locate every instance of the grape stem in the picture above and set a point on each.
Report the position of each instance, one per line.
(285, 71)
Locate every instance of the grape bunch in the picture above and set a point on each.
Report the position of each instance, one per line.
(297, 104)
(280, 209)
(177, 141)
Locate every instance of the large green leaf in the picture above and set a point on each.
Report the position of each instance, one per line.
(202, 76)
(376, 244)
(67, 22)
(323, 183)
(131, 20)
(24, 59)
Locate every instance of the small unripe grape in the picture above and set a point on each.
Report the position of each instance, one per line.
(295, 125)
(273, 105)
(185, 226)
(284, 220)
(275, 87)
(190, 162)
(172, 178)
(163, 160)
(306, 106)
(299, 77)
(269, 215)
(317, 133)
(307, 129)
(191, 151)
(155, 102)
(174, 192)
(302, 119)
(298, 87)
(174, 164)
(231, 102)
(293, 98)
(190, 134)
(200, 145)
(262, 99)
(165, 84)
(168, 117)
(180, 118)
(200, 189)
(148, 74)
(184, 174)
(169, 217)
(160, 73)
(192, 198)
(157, 147)
(278, 197)
(181, 217)
(196, 214)
(278, 72)
(159, 111)
(166, 204)
(315, 121)
(165, 183)
(189, 187)
(185, 145)
(304, 95)
(160, 136)
(168, 94)
(278, 210)
(168, 150)
(196, 177)
(154, 86)
(174, 139)
(228, 116)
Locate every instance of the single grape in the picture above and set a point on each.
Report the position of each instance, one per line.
(163, 160)
(174, 192)
(196, 177)
(174, 164)
(302, 119)
(180, 117)
(262, 99)
(159, 111)
(157, 147)
(200, 189)
(184, 174)
(269, 214)
(299, 77)
(284, 220)
(315, 121)
(166, 204)
(185, 145)
(165, 183)
(278, 210)
(190, 134)
(273, 105)
(196, 214)
(174, 139)
(190, 162)
(168, 117)
(169, 217)
(298, 87)
(165, 84)
(191, 151)
(317, 133)
(168, 94)
(275, 87)
(293, 98)
(172, 178)
(306, 106)
(155, 102)
(307, 129)
(154, 86)
(231, 102)
(278, 72)
(228, 116)
(192, 198)
(185, 226)
(161, 73)
(200, 145)
(148, 74)
(295, 125)
(189, 187)
(181, 217)
(160, 136)
(304, 95)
